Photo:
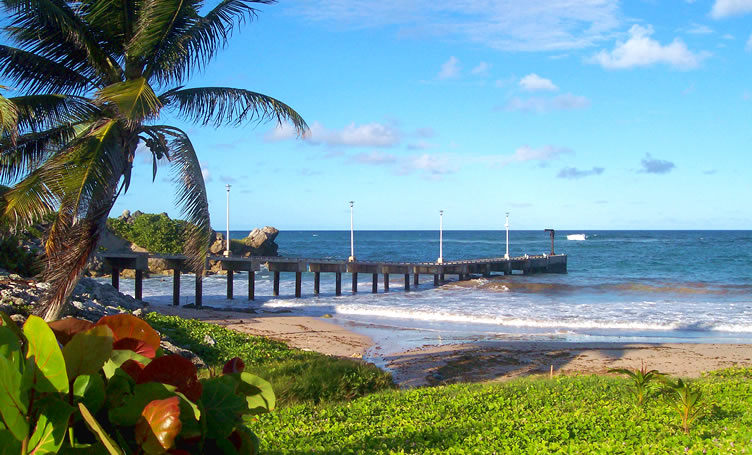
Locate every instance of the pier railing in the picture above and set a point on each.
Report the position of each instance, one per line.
(464, 269)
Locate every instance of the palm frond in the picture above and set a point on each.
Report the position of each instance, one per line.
(111, 21)
(135, 99)
(195, 48)
(34, 73)
(57, 26)
(220, 105)
(191, 196)
(8, 120)
(41, 112)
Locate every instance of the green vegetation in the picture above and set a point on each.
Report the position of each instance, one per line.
(296, 376)
(641, 381)
(109, 390)
(17, 259)
(94, 79)
(568, 414)
(156, 233)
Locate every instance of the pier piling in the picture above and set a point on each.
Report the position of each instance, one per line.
(251, 285)
(199, 290)
(338, 279)
(407, 281)
(139, 284)
(355, 282)
(416, 281)
(230, 276)
(298, 281)
(386, 282)
(275, 291)
(116, 278)
(176, 287)
(375, 284)
(316, 283)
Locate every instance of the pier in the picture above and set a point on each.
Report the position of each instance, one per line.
(464, 269)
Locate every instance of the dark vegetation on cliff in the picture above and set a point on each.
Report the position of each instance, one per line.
(156, 233)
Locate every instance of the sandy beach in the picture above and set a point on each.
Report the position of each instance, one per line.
(481, 361)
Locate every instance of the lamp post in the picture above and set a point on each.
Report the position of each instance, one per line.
(352, 235)
(440, 260)
(227, 250)
(506, 256)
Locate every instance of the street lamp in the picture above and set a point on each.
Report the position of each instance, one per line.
(440, 260)
(227, 250)
(352, 235)
(506, 256)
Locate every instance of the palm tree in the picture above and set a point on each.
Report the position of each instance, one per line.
(95, 76)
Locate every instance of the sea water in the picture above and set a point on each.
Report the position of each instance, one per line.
(625, 286)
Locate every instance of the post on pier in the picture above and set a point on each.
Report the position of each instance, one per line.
(435, 279)
(338, 279)
(275, 291)
(251, 285)
(355, 282)
(298, 281)
(407, 281)
(416, 280)
(316, 283)
(230, 276)
(386, 282)
(175, 287)
(375, 284)
(139, 284)
(116, 278)
(199, 289)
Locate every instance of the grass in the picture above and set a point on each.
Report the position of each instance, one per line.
(588, 414)
(296, 376)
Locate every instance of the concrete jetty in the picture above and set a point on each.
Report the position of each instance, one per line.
(464, 269)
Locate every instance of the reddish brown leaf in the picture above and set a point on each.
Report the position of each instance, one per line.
(174, 370)
(158, 425)
(235, 439)
(137, 346)
(234, 365)
(133, 368)
(128, 326)
(64, 329)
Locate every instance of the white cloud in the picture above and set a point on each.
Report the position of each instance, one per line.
(527, 153)
(431, 165)
(539, 105)
(205, 171)
(533, 82)
(748, 46)
(367, 135)
(725, 8)
(700, 29)
(376, 158)
(641, 50)
(481, 69)
(510, 25)
(450, 69)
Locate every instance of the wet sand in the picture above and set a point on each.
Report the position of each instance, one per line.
(480, 361)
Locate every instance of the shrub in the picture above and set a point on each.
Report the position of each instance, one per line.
(156, 233)
(17, 259)
(109, 390)
(641, 380)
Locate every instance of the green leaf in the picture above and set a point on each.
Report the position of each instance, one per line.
(119, 388)
(91, 422)
(222, 407)
(51, 426)
(6, 321)
(13, 403)
(10, 347)
(87, 351)
(49, 373)
(9, 445)
(249, 443)
(143, 394)
(159, 425)
(118, 357)
(89, 390)
(258, 392)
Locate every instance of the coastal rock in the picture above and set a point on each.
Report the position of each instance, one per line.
(170, 348)
(260, 242)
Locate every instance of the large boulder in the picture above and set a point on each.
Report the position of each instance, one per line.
(260, 242)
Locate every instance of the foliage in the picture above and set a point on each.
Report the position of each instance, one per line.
(731, 372)
(95, 77)
(569, 414)
(17, 259)
(156, 233)
(686, 400)
(296, 376)
(108, 390)
(641, 380)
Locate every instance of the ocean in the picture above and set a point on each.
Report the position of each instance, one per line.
(625, 286)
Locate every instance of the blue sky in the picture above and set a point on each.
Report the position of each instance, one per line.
(588, 114)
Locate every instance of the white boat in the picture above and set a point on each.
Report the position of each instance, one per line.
(576, 236)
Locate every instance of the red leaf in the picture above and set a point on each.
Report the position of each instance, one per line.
(234, 365)
(64, 329)
(128, 326)
(174, 370)
(235, 439)
(133, 368)
(137, 346)
(158, 425)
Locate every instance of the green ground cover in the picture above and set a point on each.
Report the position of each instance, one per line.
(588, 414)
(296, 376)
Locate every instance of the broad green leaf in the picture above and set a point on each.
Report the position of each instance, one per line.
(249, 443)
(13, 403)
(87, 351)
(91, 422)
(258, 392)
(51, 426)
(190, 417)
(222, 408)
(134, 98)
(89, 390)
(158, 425)
(49, 374)
(9, 445)
(119, 389)
(10, 347)
(143, 394)
(118, 357)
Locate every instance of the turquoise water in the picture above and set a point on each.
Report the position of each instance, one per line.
(628, 286)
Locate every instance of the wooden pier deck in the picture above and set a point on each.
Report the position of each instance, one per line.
(464, 269)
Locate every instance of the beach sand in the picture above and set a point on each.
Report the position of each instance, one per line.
(480, 361)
